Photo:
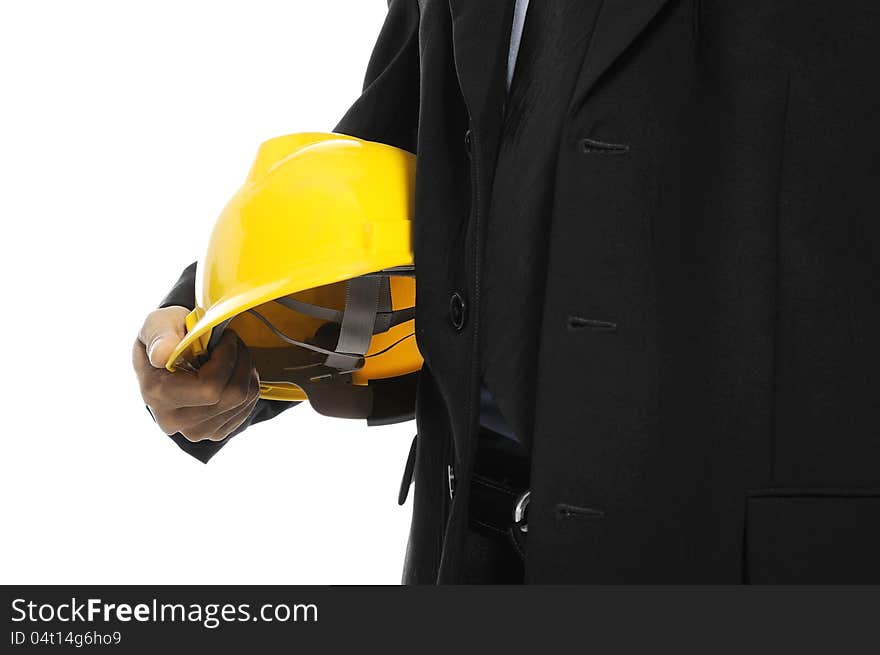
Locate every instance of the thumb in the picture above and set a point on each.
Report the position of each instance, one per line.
(161, 332)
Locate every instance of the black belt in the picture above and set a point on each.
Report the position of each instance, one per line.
(499, 495)
(497, 507)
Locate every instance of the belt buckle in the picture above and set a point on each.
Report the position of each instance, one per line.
(519, 511)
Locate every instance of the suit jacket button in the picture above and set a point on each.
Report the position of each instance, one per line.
(457, 311)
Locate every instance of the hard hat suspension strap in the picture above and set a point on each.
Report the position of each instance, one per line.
(365, 297)
(353, 361)
(308, 309)
(385, 320)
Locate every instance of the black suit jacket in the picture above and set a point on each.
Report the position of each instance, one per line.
(707, 367)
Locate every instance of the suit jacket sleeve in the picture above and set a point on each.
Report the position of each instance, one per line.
(387, 112)
(388, 108)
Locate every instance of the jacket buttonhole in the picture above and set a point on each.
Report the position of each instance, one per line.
(576, 323)
(566, 511)
(594, 146)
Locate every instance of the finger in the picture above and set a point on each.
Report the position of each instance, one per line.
(196, 423)
(149, 377)
(161, 332)
(164, 391)
(243, 384)
(203, 388)
(139, 358)
(216, 373)
(222, 425)
(235, 422)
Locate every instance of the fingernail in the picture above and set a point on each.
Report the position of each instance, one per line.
(152, 347)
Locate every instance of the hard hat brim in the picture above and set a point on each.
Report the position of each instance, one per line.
(233, 305)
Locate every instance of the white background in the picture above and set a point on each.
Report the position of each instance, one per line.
(124, 128)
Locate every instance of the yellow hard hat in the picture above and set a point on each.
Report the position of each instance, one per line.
(311, 265)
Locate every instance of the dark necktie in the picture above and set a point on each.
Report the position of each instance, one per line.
(554, 40)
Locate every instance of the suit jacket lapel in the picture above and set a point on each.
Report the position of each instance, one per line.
(617, 26)
(481, 35)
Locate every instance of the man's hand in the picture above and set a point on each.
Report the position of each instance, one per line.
(209, 404)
